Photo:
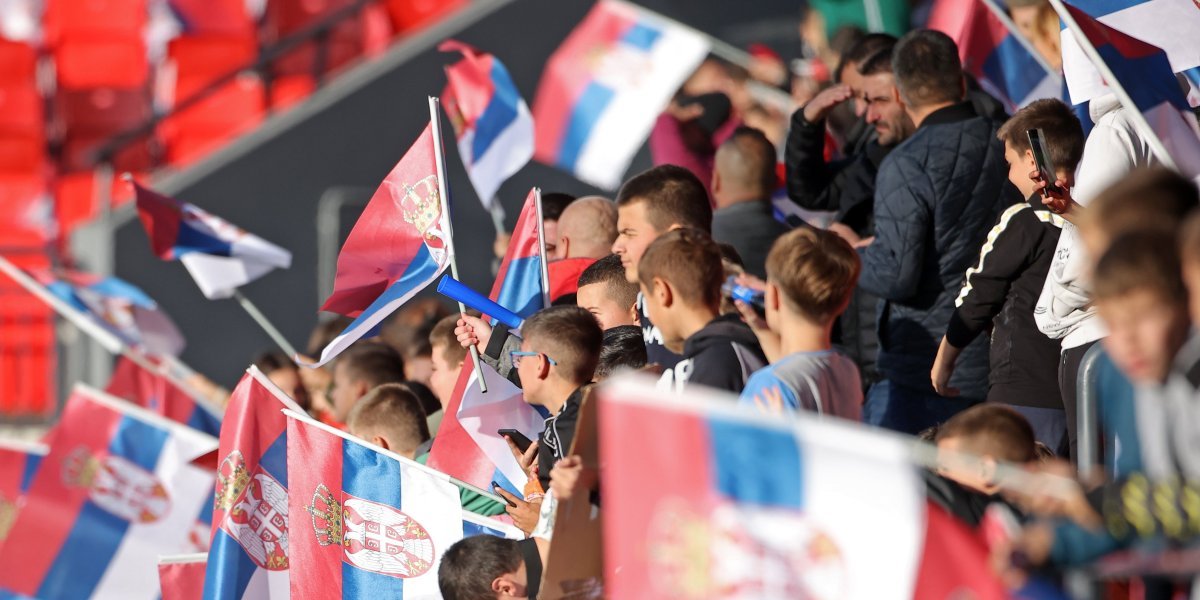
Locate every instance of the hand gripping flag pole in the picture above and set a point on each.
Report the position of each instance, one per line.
(544, 266)
(439, 159)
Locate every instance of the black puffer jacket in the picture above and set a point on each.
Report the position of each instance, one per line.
(936, 196)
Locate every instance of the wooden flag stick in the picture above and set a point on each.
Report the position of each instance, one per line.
(439, 159)
(264, 323)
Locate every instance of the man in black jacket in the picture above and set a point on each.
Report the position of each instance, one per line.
(1003, 287)
(936, 195)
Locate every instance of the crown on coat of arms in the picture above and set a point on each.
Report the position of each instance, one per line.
(421, 204)
(80, 468)
(327, 517)
(232, 479)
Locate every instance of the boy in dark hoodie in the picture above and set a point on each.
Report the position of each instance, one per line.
(680, 274)
(1002, 288)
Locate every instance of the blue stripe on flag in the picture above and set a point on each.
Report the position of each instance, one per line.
(1149, 80)
(1100, 8)
(472, 529)
(521, 290)
(1011, 67)
(191, 239)
(66, 293)
(499, 114)
(371, 476)
(117, 288)
(740, 471)
(202, 420)
(229, 569)
(274, 460)
(97, 534)
(32, 462)
(584, 114)
(419, 273)
(641, 36)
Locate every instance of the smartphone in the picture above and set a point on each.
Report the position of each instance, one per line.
(517, 437)
(1037, 143)
(496, 487)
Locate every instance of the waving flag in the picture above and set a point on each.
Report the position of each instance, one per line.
(399, 245)
(994, 52)
(248, 558)
(467, 445)
(181, 577)
(1145, 74)
(220, 256)
(519, 284)
(160, 396)
(375, 525)
(604, 87)
(18, 463)
(120, 307)
(490, 119)
(116, 490)
(838, 511)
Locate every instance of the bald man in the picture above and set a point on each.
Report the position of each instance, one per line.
(587, 228)
(742, 183)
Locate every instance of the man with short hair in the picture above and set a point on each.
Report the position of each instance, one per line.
(360, 368)
(604, 292)
(936, 196)
(390, 417)
(742, 184)
(586, 229)
(553, 205)
(485, 567)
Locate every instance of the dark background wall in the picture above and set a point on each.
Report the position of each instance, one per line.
(274, 190)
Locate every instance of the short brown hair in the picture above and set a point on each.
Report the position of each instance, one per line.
(611, 273)
(927, 68)
(443, 334)
(673, 196)
(1140, 260)
(816, 272)
(690, 261)
(1063, 132)
(992, 429)
(1154, 199)
(372, 362)
(391, 411)
(568, 334)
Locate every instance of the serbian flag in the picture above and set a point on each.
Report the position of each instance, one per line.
(158, 395)
(18, 463)
(519, 284)
(117, 490)
(467, 446)
(375, 525)
(220, 256)
(703, 500)
(605, 86)
(992, 51)
(399, 245)
(181, 577)
(490, 119)
(248, 558)
(120, 307)
(1145, 73)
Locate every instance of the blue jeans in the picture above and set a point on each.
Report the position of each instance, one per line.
(909, 410)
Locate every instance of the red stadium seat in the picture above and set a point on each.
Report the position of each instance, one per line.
(102, 62)
(410, 15)
(21, 110)
(75, 199)
(80, 154)
(22, 153)
(65, 20)
(18, 63)
(23, 198)
(198, 60)
(27, 345)
(288, 90)
(102, 111)
(230, 111)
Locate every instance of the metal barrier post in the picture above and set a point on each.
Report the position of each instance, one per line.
(1087, 417)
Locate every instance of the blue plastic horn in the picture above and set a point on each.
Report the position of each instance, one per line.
(456, 291)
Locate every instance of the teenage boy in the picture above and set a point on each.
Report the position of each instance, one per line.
(604, 292)
(681, 275)
(485, 566)
(810, 276)
(362, 367)
(390, 417)
(1002, 288)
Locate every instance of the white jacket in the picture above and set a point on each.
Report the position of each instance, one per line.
(1113, 149)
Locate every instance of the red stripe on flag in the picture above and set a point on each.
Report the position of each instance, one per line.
(314, 471)
(454, 452)
(161, 217)
(470, 80)
(182, 580)
(954, 563)
(569, 72)
(12, 467)
(150, 391)
(52, 505)
(1100, 35)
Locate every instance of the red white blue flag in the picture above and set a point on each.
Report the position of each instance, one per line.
(18, 463)
(248, 557)
(604, 87)
(490, 119)
(704, 500)
(994, 52)
(160, 396)
(519, 286)
(375, 525)
(220, 256)
(181, 576)
(399, 245)
(117, 490)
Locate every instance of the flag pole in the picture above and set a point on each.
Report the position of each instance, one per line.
(439, 159)
(1012, 30)
(1139, 120)
(104, 337)
(264, 323)
(545, 262)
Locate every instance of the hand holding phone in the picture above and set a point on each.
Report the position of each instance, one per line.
(1055, 197)
(517, 438)
(503, 494)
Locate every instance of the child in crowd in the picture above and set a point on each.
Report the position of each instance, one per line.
(390, 417)
(363, 366)
(810, 277)
(623, 349)
(485, 566)
(681, 276)
(447, 357)
(1003, 287)
(604, 292)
